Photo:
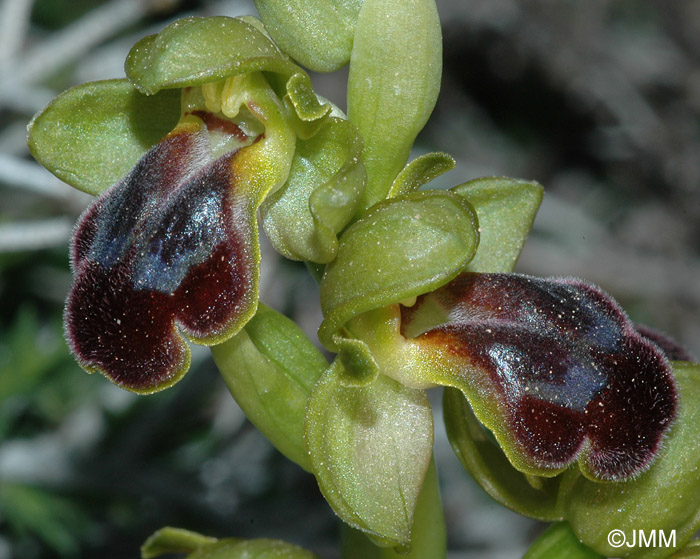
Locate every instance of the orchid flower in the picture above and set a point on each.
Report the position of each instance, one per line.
(170, 251)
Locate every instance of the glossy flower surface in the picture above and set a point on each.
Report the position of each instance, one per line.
(555, 368)
(169, 244)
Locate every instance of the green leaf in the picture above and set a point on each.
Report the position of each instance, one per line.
(317, 33)
(270, 367)
(262, 548)
(486, 463)
(401, 248)
(173, 540)
(666, 497)
(176, 540)
(559, 541)
(326, 180)
(194, 51)
(370, 448)
(393, 84)
(506, 209)
(90, 136)
(420, 171)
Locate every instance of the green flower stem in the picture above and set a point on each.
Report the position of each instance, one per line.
(559, 541)
(428, 535)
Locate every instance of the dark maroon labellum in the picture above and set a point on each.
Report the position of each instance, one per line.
(567, 370)
(168, 245)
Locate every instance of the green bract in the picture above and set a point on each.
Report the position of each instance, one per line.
(195, 546)
(370, 448)
(394, 80)
(270, 367)
(90, 136)
(317, 33)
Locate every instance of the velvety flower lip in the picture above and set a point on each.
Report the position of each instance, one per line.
(556, 369)
(166, 247)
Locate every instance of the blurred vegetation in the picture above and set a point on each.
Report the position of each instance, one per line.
(599, 101)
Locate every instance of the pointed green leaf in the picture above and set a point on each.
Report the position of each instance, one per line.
(559, 541)
(393, 84)
(370, 449)
(261, 548)
(195, 51)
(486, 463)
(420, 171)
(317, 33)
(90, 136)
(666, 497)
(178, 541)
(270, 368)
(322, 193)
(173, 540)
(506, 209)
(401, 248)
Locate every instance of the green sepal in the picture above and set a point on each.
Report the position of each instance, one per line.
(270, 367)
(428, 533)
(370, 448)
(665, 497)
(91, 135)
(401, 248)
(173, 540)
(196, 546)
(559, 541)
(194, 51)
(420, 171)
(394, 80)
(506, 208)
(486, 463)
(303, 218)
(317, 33)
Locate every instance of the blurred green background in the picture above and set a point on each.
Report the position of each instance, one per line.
(597, 100)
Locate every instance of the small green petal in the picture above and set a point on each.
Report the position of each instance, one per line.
(666, 497)
(195, 51)
(486, 463)
(370, 449)
(401, 248)
(393, 84)
(303, 218)
(506, 209)
(420, 171)
(90, 136)
(317, 33)
(559, 541)
(270, 368)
